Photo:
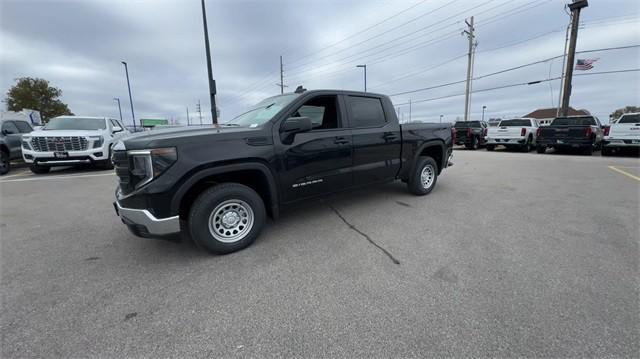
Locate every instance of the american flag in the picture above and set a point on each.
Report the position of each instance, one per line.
(586, 64)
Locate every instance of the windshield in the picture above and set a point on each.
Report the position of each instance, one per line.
(574, 121)
(515, 122)
(263, 111)
(75, 123)
(465, 124)
(635, 118)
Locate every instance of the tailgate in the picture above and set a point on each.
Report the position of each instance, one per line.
(563, 132)
(625, 131)
(504, 132)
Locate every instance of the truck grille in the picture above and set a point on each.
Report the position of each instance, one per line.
(121, 165)
(59, 144)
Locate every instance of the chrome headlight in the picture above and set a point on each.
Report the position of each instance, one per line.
(97, 141)
(149, 164)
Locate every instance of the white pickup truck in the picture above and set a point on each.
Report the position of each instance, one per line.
(72, 140)
(513, 133)
(624, 133)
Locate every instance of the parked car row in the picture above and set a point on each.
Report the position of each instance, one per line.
(584, 133)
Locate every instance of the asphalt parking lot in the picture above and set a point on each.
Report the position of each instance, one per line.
(512, 254)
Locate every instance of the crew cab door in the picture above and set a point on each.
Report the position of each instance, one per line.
(318, 161)
(376, 140)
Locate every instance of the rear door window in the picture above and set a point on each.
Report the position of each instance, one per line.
(366, 112)
(10, 128)
(630, 119)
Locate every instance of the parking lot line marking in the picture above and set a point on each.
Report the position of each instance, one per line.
(624, 173)
(55, 177)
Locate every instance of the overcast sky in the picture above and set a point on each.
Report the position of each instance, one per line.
(78, 46)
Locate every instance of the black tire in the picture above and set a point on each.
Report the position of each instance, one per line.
(607, 151)
(541, 149)
(527, 146)
(416, 184)
(491, 147)
(475, 143)
(5, 163)
(39, 170)
(220, 198)
(588, 150)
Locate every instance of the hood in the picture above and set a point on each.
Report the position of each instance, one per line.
(176, 136)
(65, 133)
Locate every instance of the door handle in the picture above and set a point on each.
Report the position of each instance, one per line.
(390, 136)
(341, 141)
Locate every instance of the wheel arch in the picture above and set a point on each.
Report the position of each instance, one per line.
(255, 175)
(435, 149)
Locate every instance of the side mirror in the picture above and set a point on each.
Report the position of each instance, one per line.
(117, 129)
(8, 132)
(294, 125)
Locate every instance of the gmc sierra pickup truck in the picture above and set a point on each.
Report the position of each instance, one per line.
(221, 183)
(471, 134)
(624, 133)
(583, 132)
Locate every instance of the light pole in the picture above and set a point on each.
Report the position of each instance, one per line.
(119, 108)
(133, 116)
(212, 82)
(483, 108)
(441, 118)
(365, 76)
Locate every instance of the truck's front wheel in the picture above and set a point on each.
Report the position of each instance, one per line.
(227, 217)
(424, 176)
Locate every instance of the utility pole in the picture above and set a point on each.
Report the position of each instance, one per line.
(199, 109)
(441, 118)
(575, 8)
(281, 84)
(467, 94)
(212, 82)
(483, 108)
(409, 110)
(187, 115)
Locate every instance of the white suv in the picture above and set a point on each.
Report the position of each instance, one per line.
(72, 140)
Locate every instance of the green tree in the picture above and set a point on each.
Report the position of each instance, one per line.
(36, 94)
(619, 112)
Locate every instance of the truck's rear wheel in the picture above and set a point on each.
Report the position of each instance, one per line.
(39, 170)
(227, 217)
(475, 143)
(541, 149)
(491, 147)
(424, 176)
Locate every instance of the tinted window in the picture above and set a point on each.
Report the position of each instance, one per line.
(114, 123)
(23, 127)
(10, 127)
(322, 111)
(366, 112)
(630, 119)
(574, 121)
(515, 122)
(465, 124)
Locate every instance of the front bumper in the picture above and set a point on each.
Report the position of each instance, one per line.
(74, 157)
(144, 224)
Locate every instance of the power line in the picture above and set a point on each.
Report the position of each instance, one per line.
(513, 68)
(517, 84)
(360, 32)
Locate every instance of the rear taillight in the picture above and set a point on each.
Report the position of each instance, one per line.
(523, 132)
(486, 130)
(453, 135)
(588, 132)
(538, 132)
(606, 130)
(469, 132)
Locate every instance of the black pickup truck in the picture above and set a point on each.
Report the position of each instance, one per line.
(221, 183)
(582, 132)
(471, 134)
